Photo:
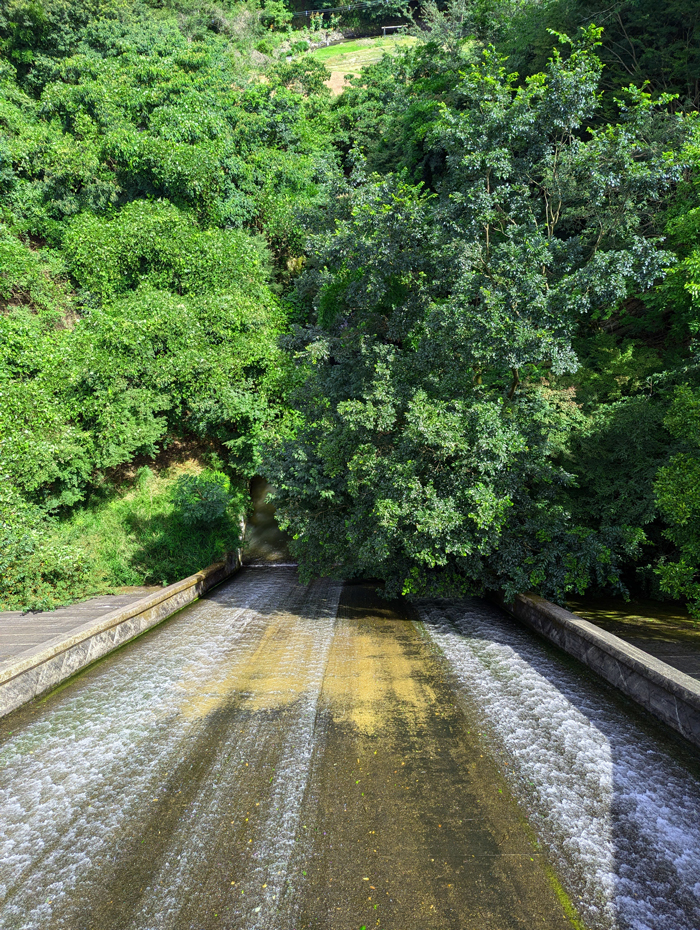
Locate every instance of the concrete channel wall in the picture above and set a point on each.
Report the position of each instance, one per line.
(671, 696)
(47, 666)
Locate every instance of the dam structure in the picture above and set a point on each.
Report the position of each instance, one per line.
(278, 755)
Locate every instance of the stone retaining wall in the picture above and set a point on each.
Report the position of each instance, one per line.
(671, 696)
(45, 667)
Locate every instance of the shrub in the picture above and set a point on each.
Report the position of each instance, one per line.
(275, 15)
(158, 244)
(677, 490)
(38, 570)
(202, 499)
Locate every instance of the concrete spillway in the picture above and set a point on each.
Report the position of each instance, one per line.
(286, 757)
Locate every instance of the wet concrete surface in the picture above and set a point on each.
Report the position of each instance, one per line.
(408, 821)
(264, 541)
(287, 756)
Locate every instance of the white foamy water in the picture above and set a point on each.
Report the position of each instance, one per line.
(77, 784)
(220, 704)
(618, 812)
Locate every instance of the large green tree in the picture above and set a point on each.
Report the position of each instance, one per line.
(438, 324)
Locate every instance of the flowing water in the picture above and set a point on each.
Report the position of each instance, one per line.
(281, 756)
(615, 800)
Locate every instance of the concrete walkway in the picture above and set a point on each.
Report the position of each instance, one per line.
(24, 631)
(659, 629)
(683, 656)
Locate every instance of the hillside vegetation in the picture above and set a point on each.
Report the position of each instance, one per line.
(451, 314)
(152, 163)
(348, 59)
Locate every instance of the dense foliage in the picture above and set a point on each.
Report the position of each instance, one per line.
(151, 165)
(452, 314)
(497, 325)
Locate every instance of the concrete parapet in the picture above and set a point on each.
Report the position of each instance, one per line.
(39, 669)
(671, 696)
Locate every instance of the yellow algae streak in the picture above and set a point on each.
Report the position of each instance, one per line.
(272, 669)
(375, 674)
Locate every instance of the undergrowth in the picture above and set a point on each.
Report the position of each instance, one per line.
(147, 533)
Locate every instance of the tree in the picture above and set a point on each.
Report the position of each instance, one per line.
(438, 323)
(678, 491)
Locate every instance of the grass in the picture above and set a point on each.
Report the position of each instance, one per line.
(352, 56)
(360, 52)
(136, 536)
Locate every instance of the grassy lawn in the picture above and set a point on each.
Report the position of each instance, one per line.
(352, 56)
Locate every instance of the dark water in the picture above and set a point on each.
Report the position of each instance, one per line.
(264, 540)
(288, 757)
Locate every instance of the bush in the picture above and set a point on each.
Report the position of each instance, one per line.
(202, 499)
(677, 490)
(158, 244)
(275, 15)
(162, 528)
(139, 535)
(38, 569)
